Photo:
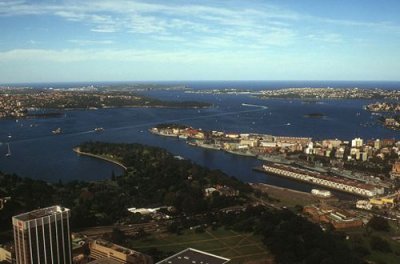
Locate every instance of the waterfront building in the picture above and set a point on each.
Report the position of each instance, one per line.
(43, 236)
(387, 142)
(357, 143)
(268, 144)
(331, 143)
(377, 144)
(363, 204)
(390, 122)
(339, 153)
(395, 173)
(338, 183)
(309, 149)
(249, 142)
(364, 156)
(294, 140)
(101, 249)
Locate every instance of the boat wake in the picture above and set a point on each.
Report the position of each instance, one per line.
(253, 105)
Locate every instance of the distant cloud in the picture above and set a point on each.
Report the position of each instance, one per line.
(170, 21)
(207, 25)
(33, 42)
(326, 37)
(86, 42)
(128, 55)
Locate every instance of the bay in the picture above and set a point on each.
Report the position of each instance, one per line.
(39, 154)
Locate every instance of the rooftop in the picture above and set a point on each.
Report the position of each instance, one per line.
(39, 213)
(194, 256)
(116, 247)
(104, 261)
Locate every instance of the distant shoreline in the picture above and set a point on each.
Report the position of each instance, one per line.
(79, 152)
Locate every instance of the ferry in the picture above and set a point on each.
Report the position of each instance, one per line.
(57, 131)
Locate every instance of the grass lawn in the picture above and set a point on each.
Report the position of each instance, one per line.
(239, 247)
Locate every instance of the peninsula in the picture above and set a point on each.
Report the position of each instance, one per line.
(184, 196)
(358, 167)
(19, 103)
(388, 113)
(308, 93)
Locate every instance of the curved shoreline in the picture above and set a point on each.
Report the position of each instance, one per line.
(79, 152)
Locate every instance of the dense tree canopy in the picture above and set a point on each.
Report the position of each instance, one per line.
(153, 178)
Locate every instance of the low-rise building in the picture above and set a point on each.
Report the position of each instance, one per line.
(101, 249)
(363, 204)
(395, 173)
(331, 143)
(357, 143)
(7, 253)
(338, 218)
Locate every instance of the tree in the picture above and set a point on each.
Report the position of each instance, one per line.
(116, 236)
(379, 224)
(379, 244)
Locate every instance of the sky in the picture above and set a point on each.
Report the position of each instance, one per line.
(132, 40)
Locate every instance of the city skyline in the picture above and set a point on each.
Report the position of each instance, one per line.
(47, 41)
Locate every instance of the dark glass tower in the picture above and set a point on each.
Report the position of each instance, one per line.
(43, 236)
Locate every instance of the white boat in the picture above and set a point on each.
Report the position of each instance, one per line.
(8, 154)
(321, 193)
(98, 129)
(57, 131)
(253, 105)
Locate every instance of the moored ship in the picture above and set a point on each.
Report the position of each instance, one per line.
(331, 182)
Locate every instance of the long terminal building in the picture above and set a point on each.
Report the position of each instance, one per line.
(332, 182)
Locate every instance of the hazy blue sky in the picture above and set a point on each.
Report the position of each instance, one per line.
(82, 40)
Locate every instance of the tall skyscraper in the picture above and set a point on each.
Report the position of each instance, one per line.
(43, 236)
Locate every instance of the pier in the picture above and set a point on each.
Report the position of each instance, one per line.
(341, 184)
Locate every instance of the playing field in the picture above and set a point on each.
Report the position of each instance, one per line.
(239, 247)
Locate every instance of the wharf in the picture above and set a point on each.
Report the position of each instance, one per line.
(315, 178)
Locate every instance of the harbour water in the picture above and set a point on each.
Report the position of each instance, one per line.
(37, 153)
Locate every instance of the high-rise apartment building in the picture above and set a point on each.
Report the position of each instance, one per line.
(43, 236)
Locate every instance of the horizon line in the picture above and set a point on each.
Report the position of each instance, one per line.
(189, 80)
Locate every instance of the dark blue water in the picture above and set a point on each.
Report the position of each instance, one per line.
(37, 153)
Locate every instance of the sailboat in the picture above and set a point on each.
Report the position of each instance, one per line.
(8, 154)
